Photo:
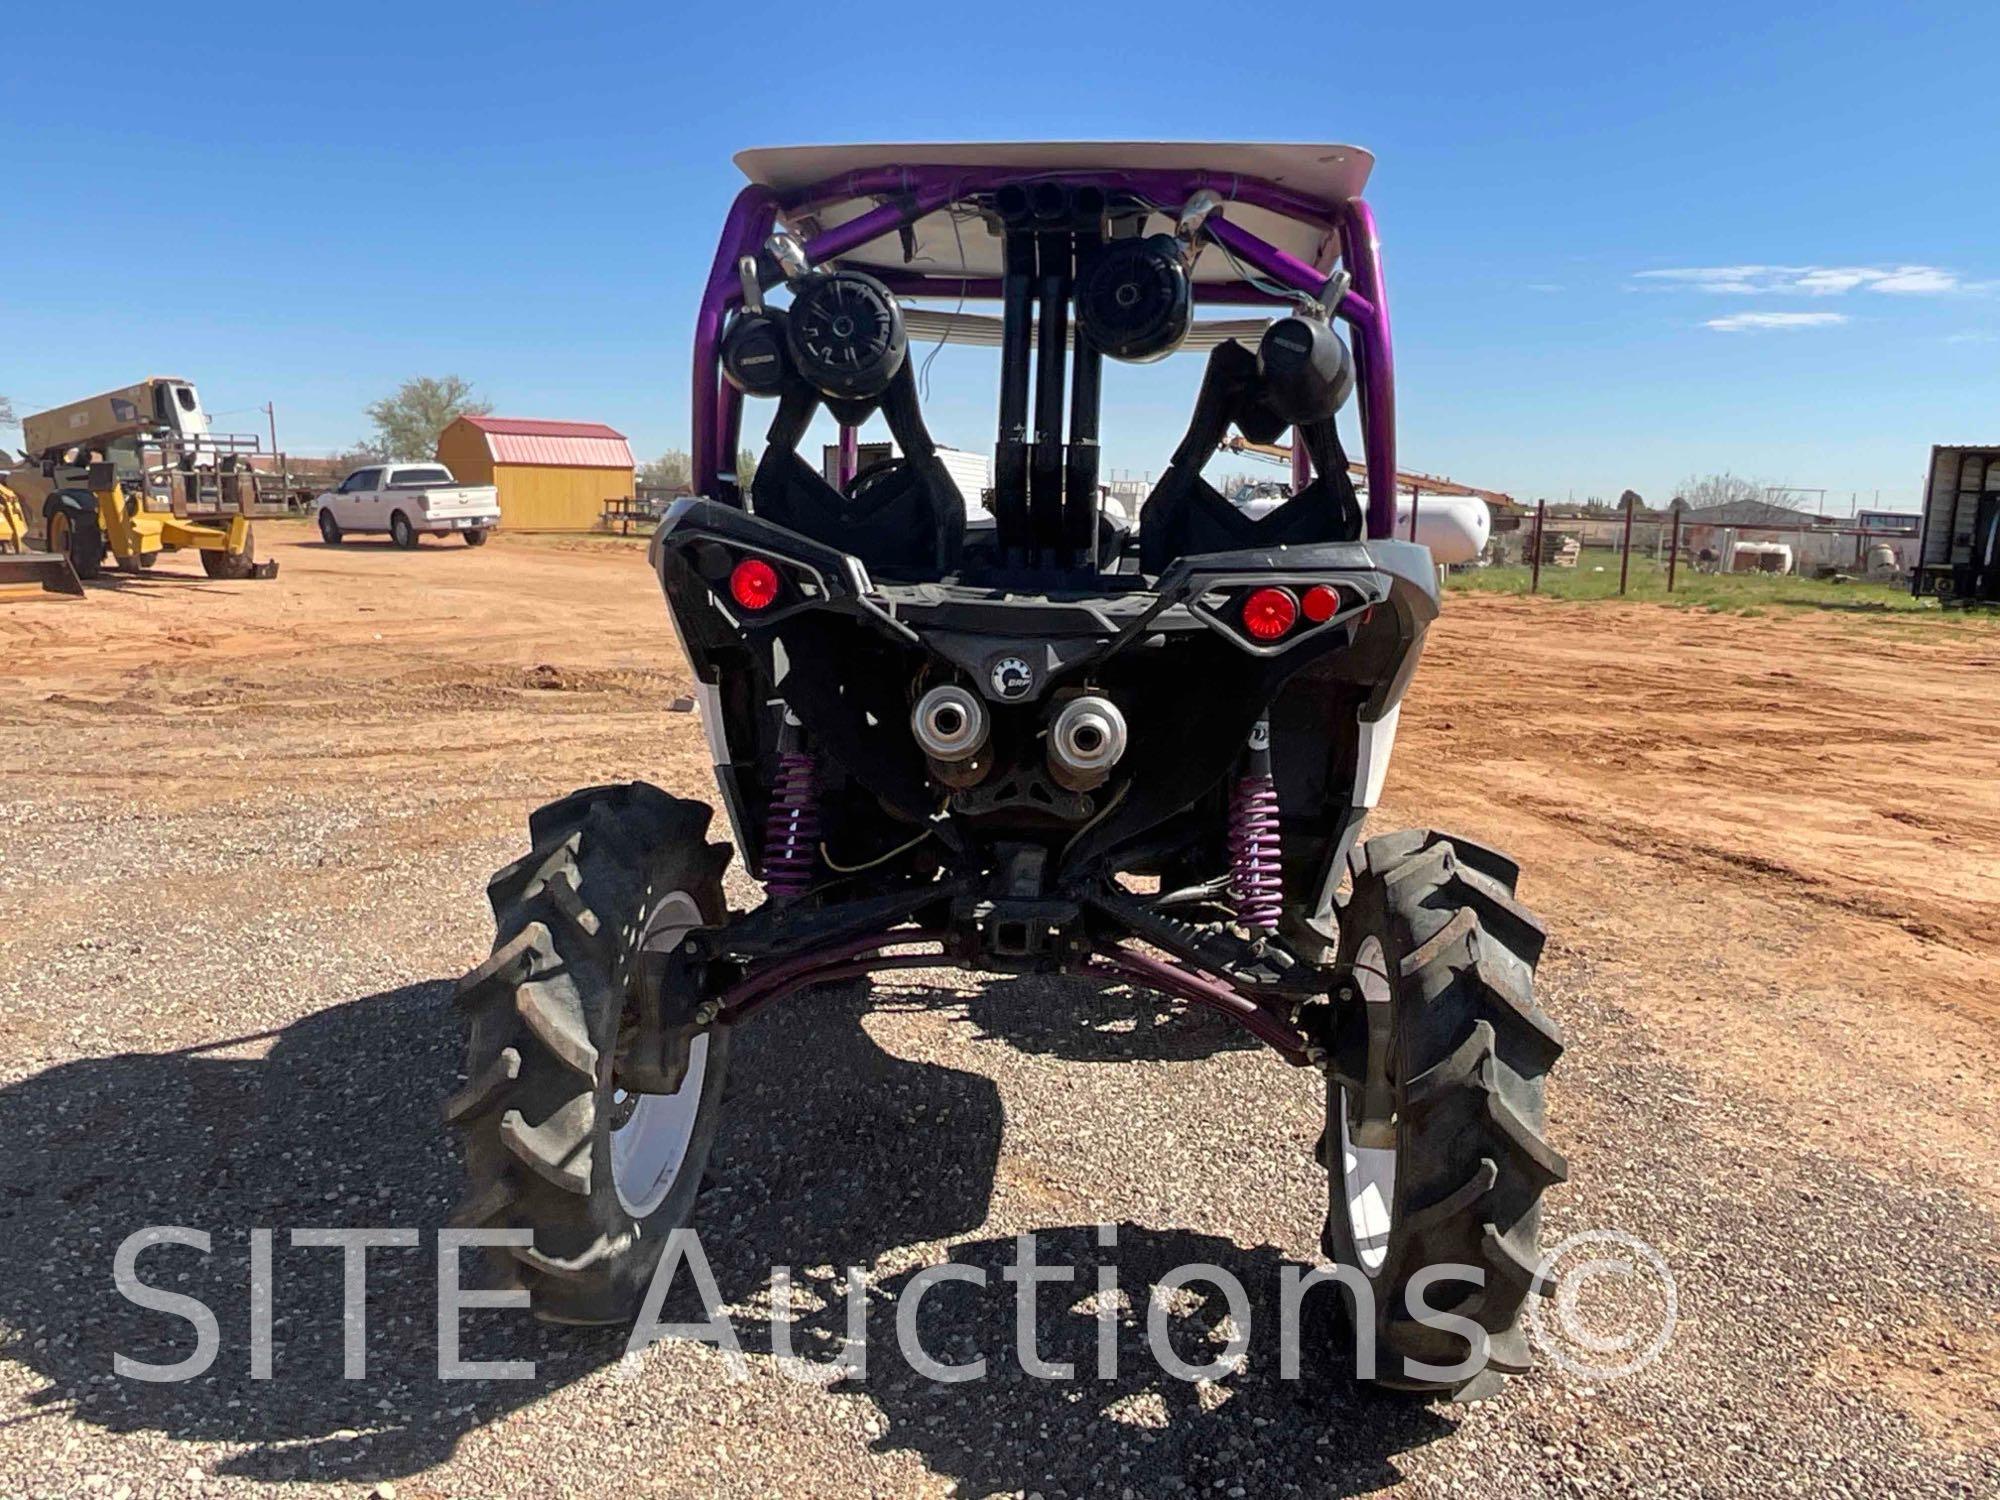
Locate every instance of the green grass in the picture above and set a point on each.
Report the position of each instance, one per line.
(1736, 593)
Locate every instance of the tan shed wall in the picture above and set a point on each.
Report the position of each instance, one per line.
(462, 449)
(539, 497)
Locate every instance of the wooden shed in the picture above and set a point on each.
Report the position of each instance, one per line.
(552, 476)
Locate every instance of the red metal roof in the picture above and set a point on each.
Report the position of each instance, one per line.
(575, 445)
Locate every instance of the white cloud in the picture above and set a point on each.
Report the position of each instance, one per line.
(1748, 322)
(1921, 280)
(1974, 336)
(1810, 281)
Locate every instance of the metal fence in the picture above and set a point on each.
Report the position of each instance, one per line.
(1657, 551)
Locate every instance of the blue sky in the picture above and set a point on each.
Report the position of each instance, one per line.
(1623, 245)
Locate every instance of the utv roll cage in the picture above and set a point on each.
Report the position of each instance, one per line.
(896, 197)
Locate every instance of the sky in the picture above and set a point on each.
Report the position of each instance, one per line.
(1624, 245)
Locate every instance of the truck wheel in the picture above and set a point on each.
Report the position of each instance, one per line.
(401, 532)
(552, 1142)
(476, 537)
(329, 529)
(1434, 1151)
(77, 535)
(219, 564)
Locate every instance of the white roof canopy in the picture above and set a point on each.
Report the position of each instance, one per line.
(968, 244)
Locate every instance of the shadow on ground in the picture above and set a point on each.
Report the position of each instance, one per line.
(1082, 1020)
(835, 1153)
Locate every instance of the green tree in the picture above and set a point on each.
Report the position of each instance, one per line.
(672, 470)
(746, 467)
(407, 424)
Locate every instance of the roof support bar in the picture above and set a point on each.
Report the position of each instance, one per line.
(1045, 479)
(1010, 456)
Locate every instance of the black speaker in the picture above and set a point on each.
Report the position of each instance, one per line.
(846, 336)
(1134, 300)
(1308, 373)
(753, 352)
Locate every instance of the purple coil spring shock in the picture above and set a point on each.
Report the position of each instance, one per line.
(792, 826)
(1256, 878)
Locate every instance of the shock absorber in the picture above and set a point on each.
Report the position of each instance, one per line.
(1256, 876)
(792, 826)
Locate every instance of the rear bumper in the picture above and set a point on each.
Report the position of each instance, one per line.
(841, 652)
(445, 525)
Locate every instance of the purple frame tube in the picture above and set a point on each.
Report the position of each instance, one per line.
(864, 955)
(1136, 967)
(915, 191)
(718, 406)
(850, 455)
(1375, 356)
(987, 289)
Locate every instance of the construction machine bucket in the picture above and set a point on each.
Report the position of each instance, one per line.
(22, 570)
(268, 568)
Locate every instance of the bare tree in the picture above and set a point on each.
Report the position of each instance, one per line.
(407, 424)
(7, 417)
(1703, 491)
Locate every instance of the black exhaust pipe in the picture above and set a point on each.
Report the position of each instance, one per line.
(1086, 394)
(1010, 455)
(1045, 481)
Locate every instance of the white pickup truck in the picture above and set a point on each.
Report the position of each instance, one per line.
(408, 501)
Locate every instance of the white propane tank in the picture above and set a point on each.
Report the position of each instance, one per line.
(1454, 527)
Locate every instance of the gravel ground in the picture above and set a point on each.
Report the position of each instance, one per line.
(232, 1012)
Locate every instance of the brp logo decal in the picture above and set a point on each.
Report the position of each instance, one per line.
(1012, 677)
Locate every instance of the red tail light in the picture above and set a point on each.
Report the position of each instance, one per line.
(1269, 613)
(1320, 603)
(753, 583)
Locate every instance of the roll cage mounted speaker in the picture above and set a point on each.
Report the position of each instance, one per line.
(1135, 300)
(846, 335)
(843, 336)
(754, 352)
(1306, 369)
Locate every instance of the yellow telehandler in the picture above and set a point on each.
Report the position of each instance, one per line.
(132, 473)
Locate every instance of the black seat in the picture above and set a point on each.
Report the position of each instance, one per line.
(1185, 515)
(903, 518)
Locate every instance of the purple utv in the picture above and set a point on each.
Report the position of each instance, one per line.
(1014, 733)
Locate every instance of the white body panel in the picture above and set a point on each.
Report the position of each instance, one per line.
(1377, 742)
(368, 499)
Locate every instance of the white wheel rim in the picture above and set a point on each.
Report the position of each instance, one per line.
(1368, 1173)
(650, 1148)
